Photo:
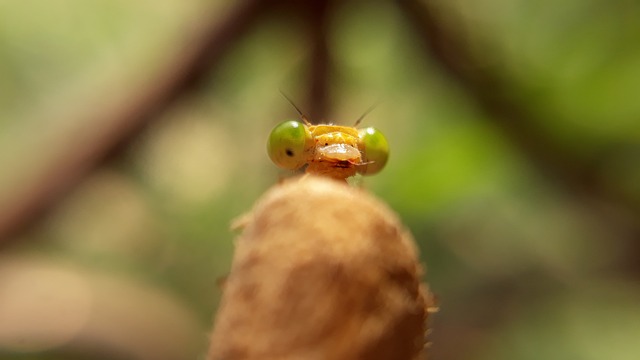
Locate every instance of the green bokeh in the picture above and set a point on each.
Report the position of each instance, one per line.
(524, 266)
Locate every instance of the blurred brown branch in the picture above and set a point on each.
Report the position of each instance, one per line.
(317, 13)
(126, 121)
(581, 178)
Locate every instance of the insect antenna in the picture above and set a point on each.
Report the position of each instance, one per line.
(302, 116)
(370, 109)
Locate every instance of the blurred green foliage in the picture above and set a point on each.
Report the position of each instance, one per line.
(523, 269)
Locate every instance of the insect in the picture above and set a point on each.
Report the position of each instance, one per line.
(329, 150)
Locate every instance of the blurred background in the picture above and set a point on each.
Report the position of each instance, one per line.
(133, 132)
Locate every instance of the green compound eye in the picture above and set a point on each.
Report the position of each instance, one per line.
(374, 149)
(287, 144)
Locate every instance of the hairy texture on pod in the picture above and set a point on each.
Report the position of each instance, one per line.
(322, 271)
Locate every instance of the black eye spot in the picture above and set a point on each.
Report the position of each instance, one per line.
(325, 144)
(289, 152)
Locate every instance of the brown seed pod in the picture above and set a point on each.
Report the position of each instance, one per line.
(322, 271)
